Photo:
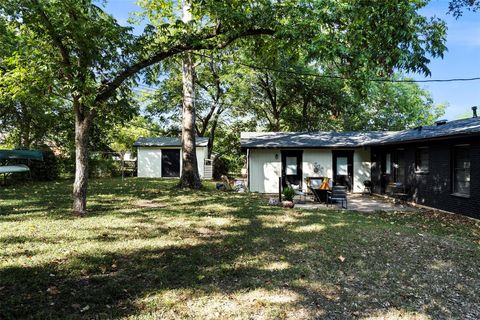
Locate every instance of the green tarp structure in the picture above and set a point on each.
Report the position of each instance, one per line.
(21, 154)
(14, 169)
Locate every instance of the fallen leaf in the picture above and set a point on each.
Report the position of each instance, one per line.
(53, 290)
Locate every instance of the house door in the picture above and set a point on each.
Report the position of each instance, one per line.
(170, 163)
(343, 168)
(387, 172)
(399, 166)
(292, 167)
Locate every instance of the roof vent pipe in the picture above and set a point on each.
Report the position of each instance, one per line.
(441, 122)
(474, 109)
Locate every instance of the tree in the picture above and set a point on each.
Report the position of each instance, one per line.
(190, 177)
(393, 106)
(122, 137)
(96, 60)
(29, 109)
(456, 7)
(216, 93)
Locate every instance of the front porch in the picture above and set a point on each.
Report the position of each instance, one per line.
(356, 202)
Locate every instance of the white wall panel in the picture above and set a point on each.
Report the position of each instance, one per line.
(361, 168)
(264, 170)
(149, 163)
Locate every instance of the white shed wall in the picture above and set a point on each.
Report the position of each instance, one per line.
(361, 168)
(264, 170)
(149, 159)
(201, 154)
(149, 163)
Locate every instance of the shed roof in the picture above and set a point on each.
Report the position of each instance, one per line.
(333, 139)
(167, 142)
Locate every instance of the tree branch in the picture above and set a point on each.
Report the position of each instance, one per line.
(109, 88)
(55, 38)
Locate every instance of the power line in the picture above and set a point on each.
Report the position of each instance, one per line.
(317, 75)
(311, 74)
(326, 76)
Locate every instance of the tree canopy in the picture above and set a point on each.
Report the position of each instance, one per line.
(77, 52)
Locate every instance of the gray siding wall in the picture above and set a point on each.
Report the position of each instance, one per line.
(434, 189)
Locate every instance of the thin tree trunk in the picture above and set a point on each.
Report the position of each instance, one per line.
(212, 136)
(305, 125)
(122, 164)
(190, 177)
(80, 184)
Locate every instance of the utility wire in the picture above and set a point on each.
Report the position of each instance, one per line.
(326, 76)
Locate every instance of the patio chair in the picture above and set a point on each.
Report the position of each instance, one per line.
(338, 194)
(398, 191)
(367, 187)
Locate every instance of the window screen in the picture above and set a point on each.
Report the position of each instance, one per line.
(291, 163)
(388, 163)
(422, 160)
(342, 166)
(461, 170)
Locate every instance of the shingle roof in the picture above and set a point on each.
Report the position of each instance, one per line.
(332, 139)
(326, 139)
(167, 142)
(462, 127)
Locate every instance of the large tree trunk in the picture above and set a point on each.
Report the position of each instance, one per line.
(82, 126)
(190, 177)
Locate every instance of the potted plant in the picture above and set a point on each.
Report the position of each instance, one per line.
(288, 194)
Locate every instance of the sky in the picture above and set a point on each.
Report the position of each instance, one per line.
(460, 61)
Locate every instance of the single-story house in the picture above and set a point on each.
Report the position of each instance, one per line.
(161, 157)
(438, 165)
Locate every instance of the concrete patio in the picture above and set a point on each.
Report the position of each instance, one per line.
(358, 202)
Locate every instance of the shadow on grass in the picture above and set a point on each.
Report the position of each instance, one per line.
(270, 249)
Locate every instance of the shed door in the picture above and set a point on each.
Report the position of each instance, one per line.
(170, 163)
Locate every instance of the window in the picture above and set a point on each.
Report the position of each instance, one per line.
(388, 163)
(461, 170)
(399, 166)
(291, 166)
(421, 160)
(342, 166)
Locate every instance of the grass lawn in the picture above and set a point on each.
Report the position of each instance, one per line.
(149, 251)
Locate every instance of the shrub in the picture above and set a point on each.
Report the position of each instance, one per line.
(101, 166)
(288, 193)
(220, 168)
(46, 170)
